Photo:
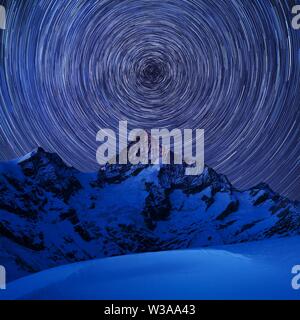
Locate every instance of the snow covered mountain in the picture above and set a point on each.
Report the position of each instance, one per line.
(52, 214)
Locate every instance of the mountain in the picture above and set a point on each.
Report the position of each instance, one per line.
(51, 214)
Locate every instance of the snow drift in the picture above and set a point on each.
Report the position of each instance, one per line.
(257, 270)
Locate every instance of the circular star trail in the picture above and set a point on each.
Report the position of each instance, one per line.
(69, 68)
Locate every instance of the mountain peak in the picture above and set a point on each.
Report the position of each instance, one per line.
(40, 155)
(37, 152)
(263, 186)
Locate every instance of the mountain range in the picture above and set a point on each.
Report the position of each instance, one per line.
(52, 214)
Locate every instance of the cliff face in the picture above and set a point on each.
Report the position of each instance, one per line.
(51, 214)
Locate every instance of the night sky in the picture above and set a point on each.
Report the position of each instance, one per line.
(231, 67)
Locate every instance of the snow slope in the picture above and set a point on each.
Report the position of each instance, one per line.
(256, 270)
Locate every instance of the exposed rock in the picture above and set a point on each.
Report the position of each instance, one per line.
(232, 207)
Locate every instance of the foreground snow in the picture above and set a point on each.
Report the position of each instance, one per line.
(258, 270)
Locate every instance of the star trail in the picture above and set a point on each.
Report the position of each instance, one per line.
(230, 67)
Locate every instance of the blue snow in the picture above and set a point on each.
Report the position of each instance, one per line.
(256, 270)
